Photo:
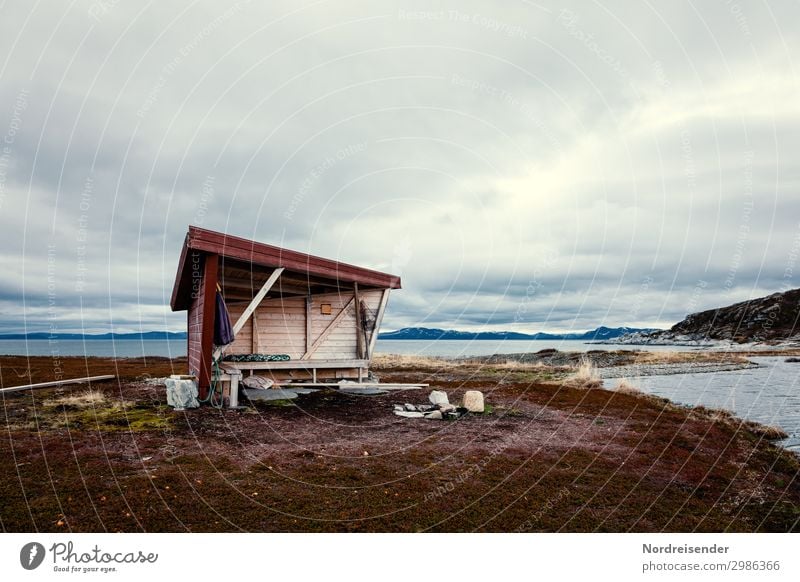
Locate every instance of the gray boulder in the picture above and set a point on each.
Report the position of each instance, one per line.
(438, 397)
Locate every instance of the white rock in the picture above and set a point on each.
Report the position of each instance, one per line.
(438, 397)
(257, 382)
(446, 408)
(406, 414)
(181, 394)
(435, 415)
(473, 401)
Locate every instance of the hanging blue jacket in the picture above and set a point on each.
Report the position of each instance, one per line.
(223, 331)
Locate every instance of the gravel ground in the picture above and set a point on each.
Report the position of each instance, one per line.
(637, 371)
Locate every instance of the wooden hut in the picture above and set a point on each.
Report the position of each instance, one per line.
(324, 315)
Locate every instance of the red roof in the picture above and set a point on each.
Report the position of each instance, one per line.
(256, 253)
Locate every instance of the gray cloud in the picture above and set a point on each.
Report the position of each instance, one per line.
(521, 166)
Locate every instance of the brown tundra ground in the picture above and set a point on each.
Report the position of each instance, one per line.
(548, 455)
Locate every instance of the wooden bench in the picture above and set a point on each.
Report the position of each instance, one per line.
(305, 365)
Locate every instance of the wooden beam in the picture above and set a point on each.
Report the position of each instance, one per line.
(378, 318)
(57, 383)
(237, 327)
(254, 347)
(326, 332)
(209, 291)
(256, 300)
(241, 284)
(255, 275)
(388, 386)
(233, 297)
(250, 286)
(359, 325)
(298, 365)
(308, 322)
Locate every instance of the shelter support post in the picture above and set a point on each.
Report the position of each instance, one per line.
(378, 319)
(209, 291)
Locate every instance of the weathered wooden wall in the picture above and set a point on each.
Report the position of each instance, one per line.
(194, 327)
(281, 326)
(200, 324)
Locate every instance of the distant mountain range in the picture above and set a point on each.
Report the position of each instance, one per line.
(772, 319)
(147, 335)
(424, 333)
(407, 333)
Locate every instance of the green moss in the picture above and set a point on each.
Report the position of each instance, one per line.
(512, 411)
(113, 417)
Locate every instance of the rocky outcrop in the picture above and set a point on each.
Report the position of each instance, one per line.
(767, 320)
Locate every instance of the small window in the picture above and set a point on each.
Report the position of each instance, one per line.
(325, 308)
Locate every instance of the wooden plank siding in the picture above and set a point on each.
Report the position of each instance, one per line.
(201, 323)
(281, 325)
(194, 324)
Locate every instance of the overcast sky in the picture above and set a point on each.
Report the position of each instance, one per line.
(522, 165)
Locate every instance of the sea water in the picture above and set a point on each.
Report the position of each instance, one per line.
(767, 394)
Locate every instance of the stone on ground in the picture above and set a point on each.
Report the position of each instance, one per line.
(473, 401)
(181, 394)
(363, 391)
(407, 414)
(302, 390)
(268, 395)
(257, 382)
(438, 397)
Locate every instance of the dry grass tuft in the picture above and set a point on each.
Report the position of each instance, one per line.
(624, 386)
(688, 357)
(88, 399)
(517, 365)
(391, 361)
(726, 417)
(766, 431)
(585, 376)
(587, 371)
(715, 414)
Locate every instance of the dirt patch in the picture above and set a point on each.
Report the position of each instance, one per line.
(545, 458)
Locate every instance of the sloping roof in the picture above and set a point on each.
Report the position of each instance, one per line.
(264, 255)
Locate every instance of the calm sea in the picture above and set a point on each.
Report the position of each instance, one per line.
(768, 394)
(176, 348)
(456, 348)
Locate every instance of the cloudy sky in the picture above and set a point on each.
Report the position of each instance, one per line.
(522, 165)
